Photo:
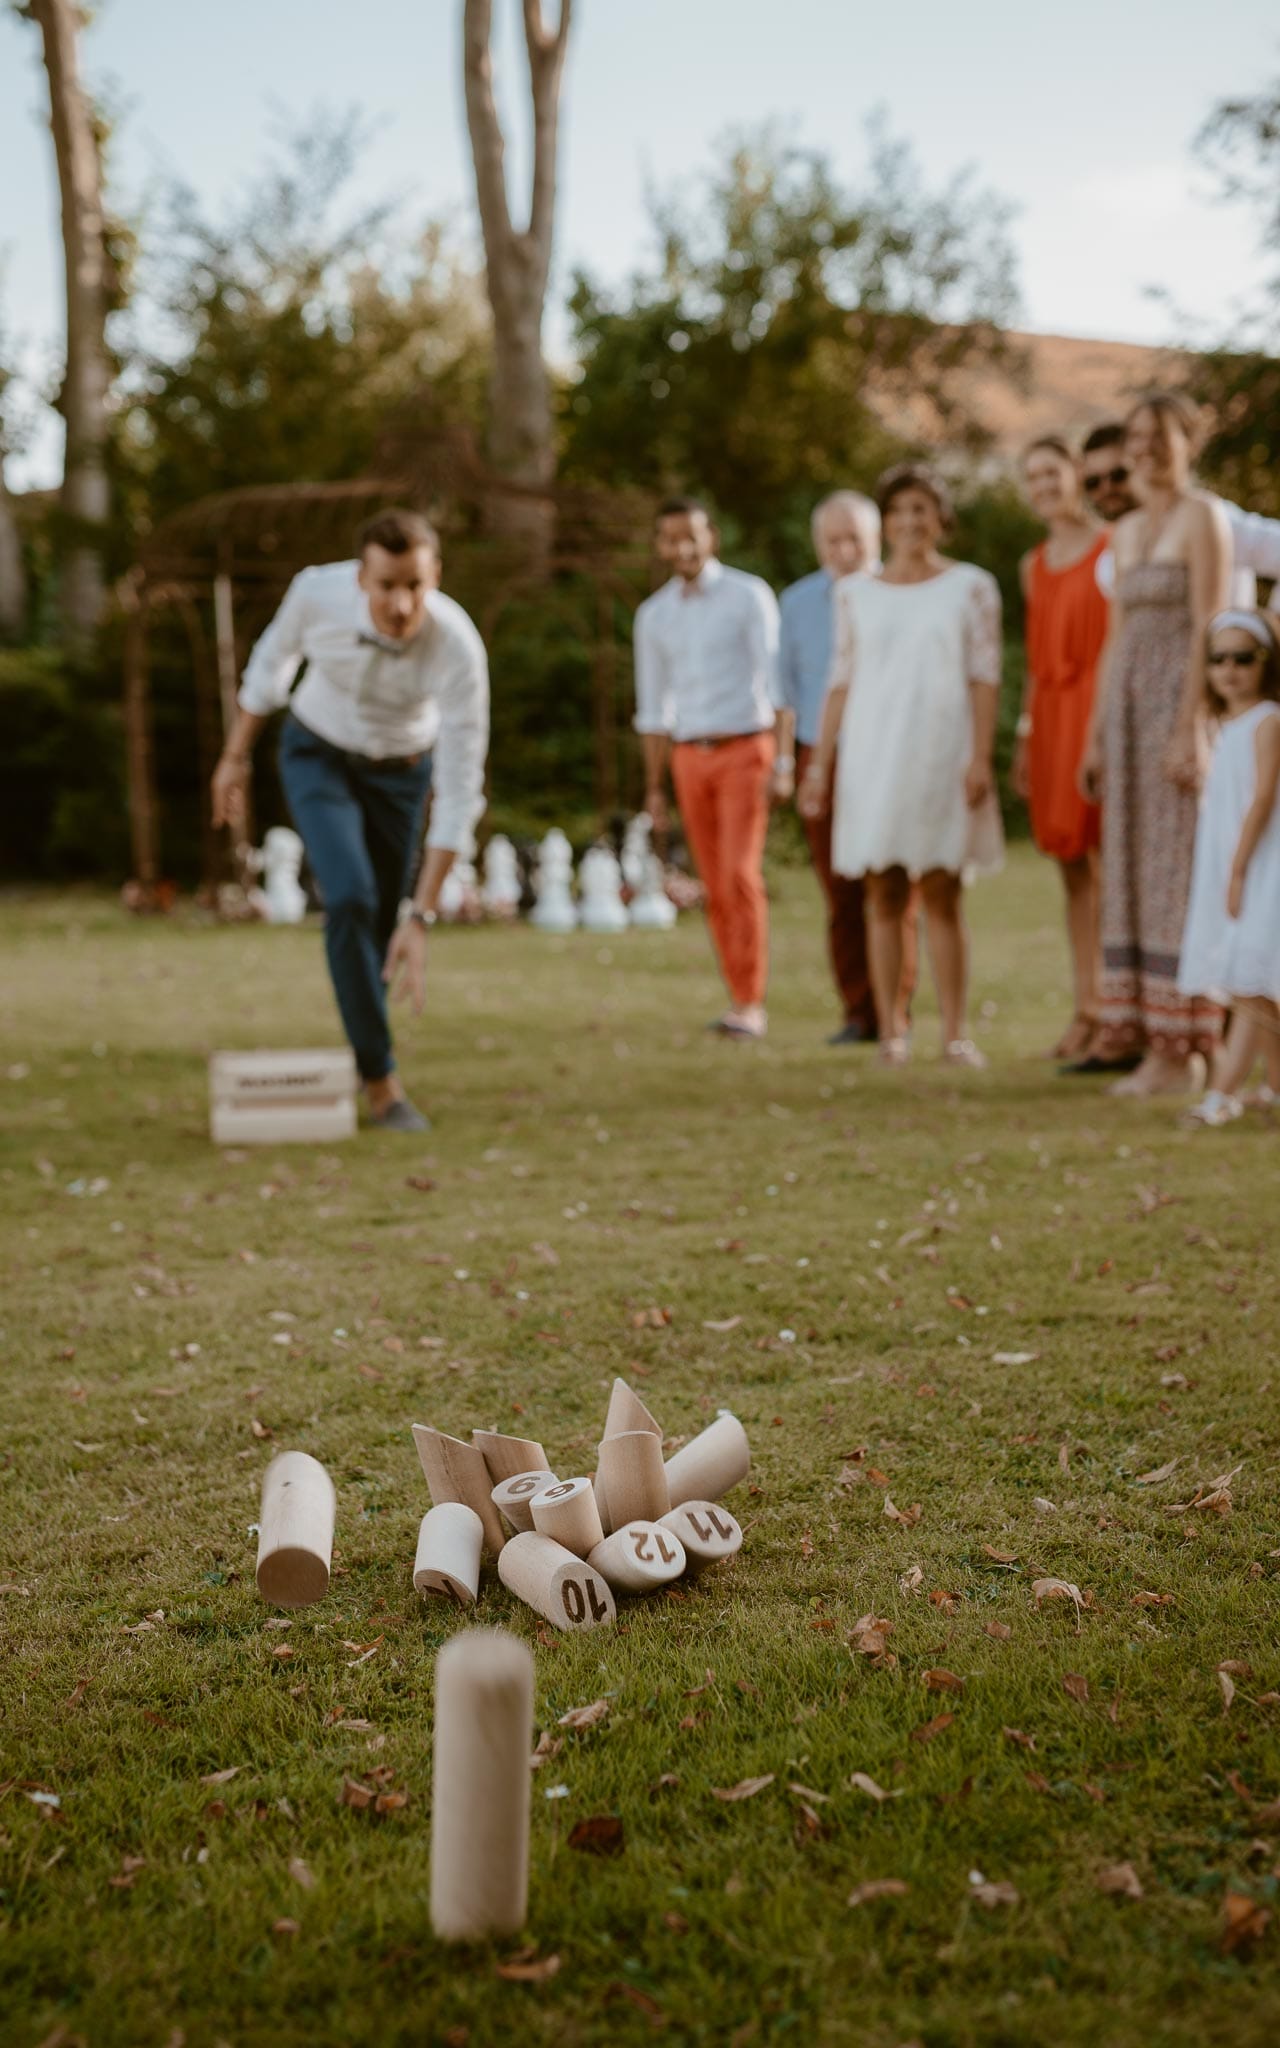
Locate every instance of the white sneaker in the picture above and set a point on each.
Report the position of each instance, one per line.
(1215, 1109)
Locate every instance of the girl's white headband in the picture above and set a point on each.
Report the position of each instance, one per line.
(1251, 623)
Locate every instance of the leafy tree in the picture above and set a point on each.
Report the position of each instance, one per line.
(791, 337)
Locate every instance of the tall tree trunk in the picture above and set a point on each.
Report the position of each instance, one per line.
(87, 378)
(517, 261)
(13, 578)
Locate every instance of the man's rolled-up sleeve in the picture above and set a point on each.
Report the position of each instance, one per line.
(461, 748)
(654, 709)
(273, 665)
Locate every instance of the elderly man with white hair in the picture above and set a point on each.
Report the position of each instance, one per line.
(846, 540)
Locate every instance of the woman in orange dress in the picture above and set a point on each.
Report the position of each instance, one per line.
(1066, 627)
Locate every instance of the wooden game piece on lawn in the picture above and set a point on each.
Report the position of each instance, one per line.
(626, 1411)
(639, 1557)
(561, 1587)
(565, 1509)
(457, 1471)
(448, 1557)
(480, 1786)
(512, 1496)
(709, 1533)
(635, 1478)
(711, 1463)
(295, 1531)
(508, 1456)
(282, 1098)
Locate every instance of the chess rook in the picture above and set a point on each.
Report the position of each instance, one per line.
(639, 1556)
(511, 1497)
(561, 1587)
(506, 1456)
(457, 1471)
(480, 1786)
(566, 1511)
(295, 1531)
(448, 1555)
(711, 1463)
(709, 1533)
(635, 1479)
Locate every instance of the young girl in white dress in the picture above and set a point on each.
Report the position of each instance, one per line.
(1231, 940)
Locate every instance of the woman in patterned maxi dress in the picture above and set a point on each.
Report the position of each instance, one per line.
(1143, 756)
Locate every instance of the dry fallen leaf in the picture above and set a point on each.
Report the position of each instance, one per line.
(1161, 1472)
(548, 1746)
(221, 1777)
(1016, 1735)
(999, 1630)
(860, 1782)
(928, 1729)
(746, 1788)
(1228, 1685)
(1075, 1685)
(877, 1888)
(286, 1927)
(1058, 1589)
(992, 1895)
(1121, 1879)
(729, 1323)
(1043, 1506)
(999, 1556)
(301, 1873)
(599, 1835)
(356, 1795)
(526, 1968)
(1244, 1922)
(938, 1680)
(907, 1516)
(1151, 1600)
(585, 1717)
(911, 1582)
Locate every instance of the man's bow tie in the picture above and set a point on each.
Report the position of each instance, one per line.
(396, 647)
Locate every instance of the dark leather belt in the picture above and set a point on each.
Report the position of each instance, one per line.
(724, 739)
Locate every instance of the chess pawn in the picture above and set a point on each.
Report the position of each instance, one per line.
(711, 1463)
(633, 1476)
(500, 893)
(554, 910)
(709, 1533)
(557, 1585)
(457, 1471)
(480, 1786)
(566, 1510)
(513, 1497)
(295, 1531)
(283, 897)
(448, 1555)
(651, 909)
(600, 887)
(638, 1557)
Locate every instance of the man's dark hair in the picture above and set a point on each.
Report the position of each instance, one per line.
(1109, 435)
(680, 508)
(398, 532)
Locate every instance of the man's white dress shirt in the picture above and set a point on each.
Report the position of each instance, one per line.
(707, 656)
(375, 697)
(1255, 551)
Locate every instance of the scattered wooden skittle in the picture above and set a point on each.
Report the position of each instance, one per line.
(512, 1496)
(711, 1463)
(480, 1785)
(566, 1511)
(448, 1555)
(708, 1532)
(564, 1589)
(295, 1531)
(635, 1479)
(639, 1557)
(457, 1471)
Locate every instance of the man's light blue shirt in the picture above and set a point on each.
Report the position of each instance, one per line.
(805, 652)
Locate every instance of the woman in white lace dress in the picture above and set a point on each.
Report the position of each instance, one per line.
(909, 729)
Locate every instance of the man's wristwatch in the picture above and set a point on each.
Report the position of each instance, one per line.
(784, 764)
(410, 913)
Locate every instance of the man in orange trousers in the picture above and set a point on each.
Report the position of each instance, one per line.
(706, 661)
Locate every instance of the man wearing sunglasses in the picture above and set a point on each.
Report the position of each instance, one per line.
(1108, 487)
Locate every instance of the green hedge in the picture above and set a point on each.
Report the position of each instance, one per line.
(62, 797)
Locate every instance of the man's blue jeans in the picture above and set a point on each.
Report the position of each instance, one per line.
(359, 820)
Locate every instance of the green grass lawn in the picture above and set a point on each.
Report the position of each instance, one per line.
(885, 1245)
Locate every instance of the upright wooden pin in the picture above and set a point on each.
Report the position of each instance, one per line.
(639, 1557)
(566, 1511)
(712, 1462)
(626, 1411)
(508, 1456)
(295, 1531)
(511, 1497)
(480, 1786)
(448, 1556)
(563, 1588)
(709, 1533)
(457, 1471)
(635, 1479)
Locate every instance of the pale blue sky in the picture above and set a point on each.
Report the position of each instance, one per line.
(1082, 113)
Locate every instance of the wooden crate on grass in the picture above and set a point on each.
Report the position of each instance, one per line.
(282, 1098)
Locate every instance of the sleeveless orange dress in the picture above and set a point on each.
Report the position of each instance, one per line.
(1067, 619)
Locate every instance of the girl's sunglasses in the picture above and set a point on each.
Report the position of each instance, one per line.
(1245, 658)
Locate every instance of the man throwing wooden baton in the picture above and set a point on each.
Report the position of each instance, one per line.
(395, 700)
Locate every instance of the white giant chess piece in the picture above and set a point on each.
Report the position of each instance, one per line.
(651, 909)
(284, 900)
(554, 910)
(501, 891)
(635, 850)
(459, 898)
(600, 883)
